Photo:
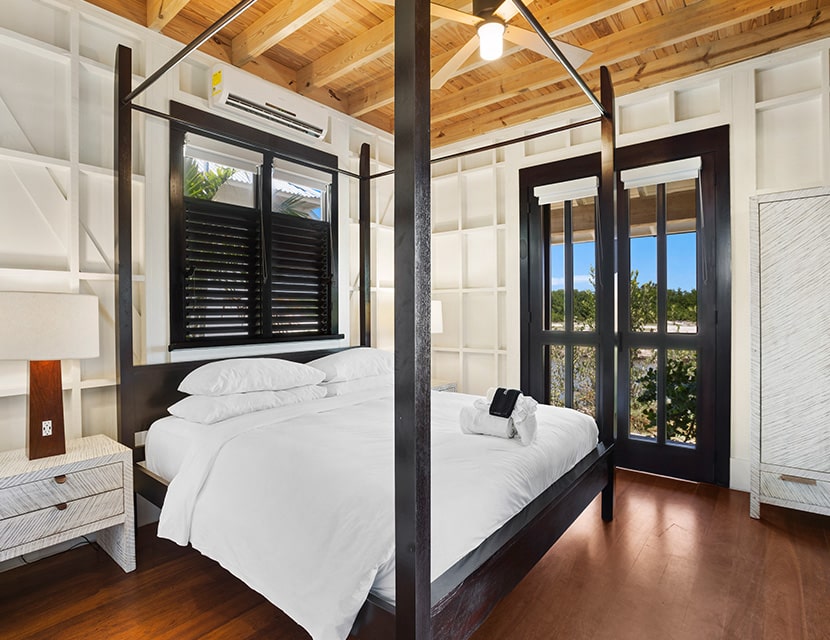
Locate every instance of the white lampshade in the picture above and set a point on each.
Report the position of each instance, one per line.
(490, 34)
(436, 312)
(48, 326)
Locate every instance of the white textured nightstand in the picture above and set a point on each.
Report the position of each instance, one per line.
(88, 489)
(444, 385)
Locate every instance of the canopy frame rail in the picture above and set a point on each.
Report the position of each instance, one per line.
(540, 31)
(229, 137)
(413, 617)
(503, 143)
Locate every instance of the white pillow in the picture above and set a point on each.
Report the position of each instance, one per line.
(210, 409)
(358, 384)
(351, 364)
(248, 374)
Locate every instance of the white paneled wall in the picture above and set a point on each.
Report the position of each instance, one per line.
(468, 248)
(57, 186)
(778, 108)
(56, 210)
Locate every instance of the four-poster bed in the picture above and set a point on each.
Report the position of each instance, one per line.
(456, 602)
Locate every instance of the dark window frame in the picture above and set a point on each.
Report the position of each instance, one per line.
(713, 147)
(192, 120)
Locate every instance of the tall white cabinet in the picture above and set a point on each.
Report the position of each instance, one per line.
(791, 350)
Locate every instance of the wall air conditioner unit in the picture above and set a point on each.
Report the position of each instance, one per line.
(248, 95)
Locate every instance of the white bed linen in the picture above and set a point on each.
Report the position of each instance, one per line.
(168, 444)
(298, 501)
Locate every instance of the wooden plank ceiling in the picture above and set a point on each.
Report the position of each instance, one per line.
(340, 52)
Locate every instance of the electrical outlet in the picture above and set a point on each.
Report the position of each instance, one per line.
(46, 427)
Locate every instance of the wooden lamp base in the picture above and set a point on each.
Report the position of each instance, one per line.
(46, 431)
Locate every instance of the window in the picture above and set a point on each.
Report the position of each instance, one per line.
(252, 237)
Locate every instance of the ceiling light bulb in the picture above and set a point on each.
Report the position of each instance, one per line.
(490, 35)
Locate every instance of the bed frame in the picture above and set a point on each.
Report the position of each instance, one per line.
(458, 601)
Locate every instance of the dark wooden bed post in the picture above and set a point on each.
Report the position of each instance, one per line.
(122, 139)
(606, 213)
(412, 321)
(364, 213)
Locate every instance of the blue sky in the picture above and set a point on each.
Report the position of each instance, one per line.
(681, 261)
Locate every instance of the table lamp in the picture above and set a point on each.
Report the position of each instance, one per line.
(45, 328)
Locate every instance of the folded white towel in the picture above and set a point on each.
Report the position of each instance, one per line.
(482, 405)
(526, 429)
(523, 416)
(476, 421)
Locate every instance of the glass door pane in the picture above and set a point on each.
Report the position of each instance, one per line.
(681, 256)
(681, 396)
(571, 350)
(643, 379)
(556, 257)
(642, 235)
(584, 264)
(585, 380)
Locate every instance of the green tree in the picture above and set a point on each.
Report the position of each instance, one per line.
(681, 305)
(642, 302)
(293, 206)
(204, 184)
(681, 396)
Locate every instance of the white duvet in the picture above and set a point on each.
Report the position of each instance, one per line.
(298, 501)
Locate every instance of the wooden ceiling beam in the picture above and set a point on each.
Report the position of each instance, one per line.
(798, 30)
(370, 45)
(677, 26)
(366, 100)
(279, 22)
(365, 48)
(160, 12)
(560, 18)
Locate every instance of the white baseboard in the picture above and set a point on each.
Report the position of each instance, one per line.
(739, 470)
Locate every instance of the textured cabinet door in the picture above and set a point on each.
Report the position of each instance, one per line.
(791, 350)
(795, 332)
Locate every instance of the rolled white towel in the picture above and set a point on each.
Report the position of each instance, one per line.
(526, 429)
(475, 421)
(525, 408)
(482, 405)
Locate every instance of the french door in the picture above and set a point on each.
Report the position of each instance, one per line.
(668, 360)
(566, 359)
(667, 315)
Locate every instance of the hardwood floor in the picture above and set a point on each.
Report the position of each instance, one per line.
(680, 561)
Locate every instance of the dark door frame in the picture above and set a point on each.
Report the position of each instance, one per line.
(713, 147)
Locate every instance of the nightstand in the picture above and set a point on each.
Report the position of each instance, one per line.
(444, 385)
(89, 489)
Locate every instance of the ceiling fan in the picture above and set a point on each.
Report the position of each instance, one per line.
(490, 17)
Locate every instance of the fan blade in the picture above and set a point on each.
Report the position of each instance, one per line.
(531, 40)
(453, 64)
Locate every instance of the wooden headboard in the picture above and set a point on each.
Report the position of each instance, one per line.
(149, 389)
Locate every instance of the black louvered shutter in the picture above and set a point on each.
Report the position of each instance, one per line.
(222, 286)
(300, 276)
